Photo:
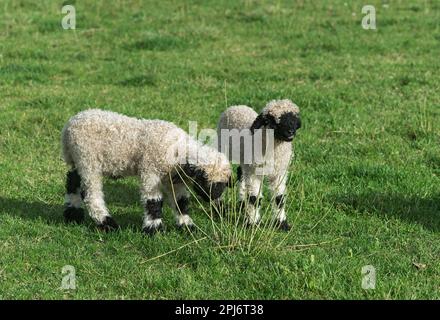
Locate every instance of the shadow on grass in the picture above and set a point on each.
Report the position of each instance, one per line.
(32, 210)
(117, 194)
(425, 212)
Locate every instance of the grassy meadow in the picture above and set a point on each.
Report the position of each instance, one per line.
(364, 184)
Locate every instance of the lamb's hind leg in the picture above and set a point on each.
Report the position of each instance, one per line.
(73, 201)
(94, 200)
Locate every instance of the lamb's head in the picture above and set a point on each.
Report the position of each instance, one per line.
(211, 173)
(280, 115)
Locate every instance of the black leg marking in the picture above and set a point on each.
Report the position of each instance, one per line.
(154, 211)
(73, 181)
(154, 208)
(279, 200)
(109, 224)
(73, 184)
(254, 201)
(183, 205)
(72, 214)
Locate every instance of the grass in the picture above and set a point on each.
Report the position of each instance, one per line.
(364, 184)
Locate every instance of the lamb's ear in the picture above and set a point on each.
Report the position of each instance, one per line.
(259, 122)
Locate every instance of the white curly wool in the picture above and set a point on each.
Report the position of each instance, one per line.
(99, 143)
(282, 116)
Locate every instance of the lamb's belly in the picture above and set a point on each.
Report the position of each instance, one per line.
(116, 174)
(119, 168)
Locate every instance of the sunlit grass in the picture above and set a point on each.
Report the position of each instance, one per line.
(363, 186)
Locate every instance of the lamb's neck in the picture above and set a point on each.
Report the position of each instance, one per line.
(282, 148)
(280, 144)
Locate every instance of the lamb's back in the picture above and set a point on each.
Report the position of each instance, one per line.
(114, 142)
(237, 117)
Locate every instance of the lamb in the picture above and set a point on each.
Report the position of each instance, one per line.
(99, 143)
(283, 117)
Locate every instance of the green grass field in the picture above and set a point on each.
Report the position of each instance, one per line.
(364, 190)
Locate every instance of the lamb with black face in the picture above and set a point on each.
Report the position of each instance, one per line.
(283, 117)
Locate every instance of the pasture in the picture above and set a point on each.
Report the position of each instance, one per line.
(364, 185)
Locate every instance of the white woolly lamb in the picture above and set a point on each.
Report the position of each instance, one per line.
(282, 116)
(100, 143)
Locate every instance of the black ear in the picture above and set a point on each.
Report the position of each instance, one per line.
(259, 122)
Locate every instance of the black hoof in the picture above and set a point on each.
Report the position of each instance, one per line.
(283, 225)
(108, 225)
(72, 214)
(151, 230)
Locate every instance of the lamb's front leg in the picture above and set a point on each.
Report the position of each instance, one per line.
(250, 190)
(277, 185)
(179, 199)
(152, 200)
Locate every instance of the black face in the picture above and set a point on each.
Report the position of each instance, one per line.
(206, 190)
(286, 129)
